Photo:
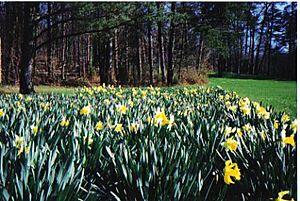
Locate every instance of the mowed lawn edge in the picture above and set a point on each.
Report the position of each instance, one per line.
(282, 95)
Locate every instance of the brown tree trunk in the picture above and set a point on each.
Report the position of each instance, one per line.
(49, 47)
(161, 47)
(26, 84)
(150, 56)
(171, 47)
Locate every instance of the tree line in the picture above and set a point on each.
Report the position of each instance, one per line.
(143, 43)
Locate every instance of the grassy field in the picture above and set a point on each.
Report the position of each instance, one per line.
(40, 89)
(280, 94)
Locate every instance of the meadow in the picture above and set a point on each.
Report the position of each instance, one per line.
(113, 143)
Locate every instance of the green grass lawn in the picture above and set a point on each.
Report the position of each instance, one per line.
(282, 95)
(40, 89)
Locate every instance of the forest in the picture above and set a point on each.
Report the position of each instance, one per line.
(144, 43)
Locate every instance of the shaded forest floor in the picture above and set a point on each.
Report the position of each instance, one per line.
(282, 95)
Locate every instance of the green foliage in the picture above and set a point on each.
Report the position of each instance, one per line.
(170, 147)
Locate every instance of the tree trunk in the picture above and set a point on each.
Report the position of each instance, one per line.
(26, 84)
(150, 57)
(160, 46)
(0, 62)
(49, 47)
(171, 47)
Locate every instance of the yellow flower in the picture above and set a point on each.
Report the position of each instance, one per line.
(28, 99)
(160, 118)
(281, 195)
(263, 134)
(64, 123)
(99, 126)
(221, 97)
(231, 144)
(227, 104)
(134, 127)
(34, 129)
(2, 113)
(130, 103)
(276, 124)
(231, 170)
(289, 140)
(229, 130)
(294, 126)
(19, 142)
(247, 127)
(239, 132)
(262, 112)
(89, 140)
(245, 110)
(119, 128)
(233, 108)
(122, 109)
(285, 118)
(85, 110)
(227, 97)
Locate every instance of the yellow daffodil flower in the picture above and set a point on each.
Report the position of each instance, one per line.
(289, 140)
(285, 118)
(231, 144)
(276, 124)
(64, 123)
(231, 170)
(160, 118)
(99, 126)
(2, 113)
(85, 110)
(281, 195)
(34, 129)
(119, 128)
(122, 109)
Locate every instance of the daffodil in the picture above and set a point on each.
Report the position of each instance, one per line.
(134, 127)
(289, 140)
(294, 126)
(276, 124)
(227, 104)
(231, 170)
(281, 195)
(229, 130)
(99, 126)
(262, 112)
(119, 128)
(64, 123)
(28, 99)
(19, 143)
(233, 108)
(122, 109)
(285, 118)
(231, 144)
(160, 118)
(2, 113)
(239, 132)
(34, 129)
(85, 110)
(245, 110)
(247, 127)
